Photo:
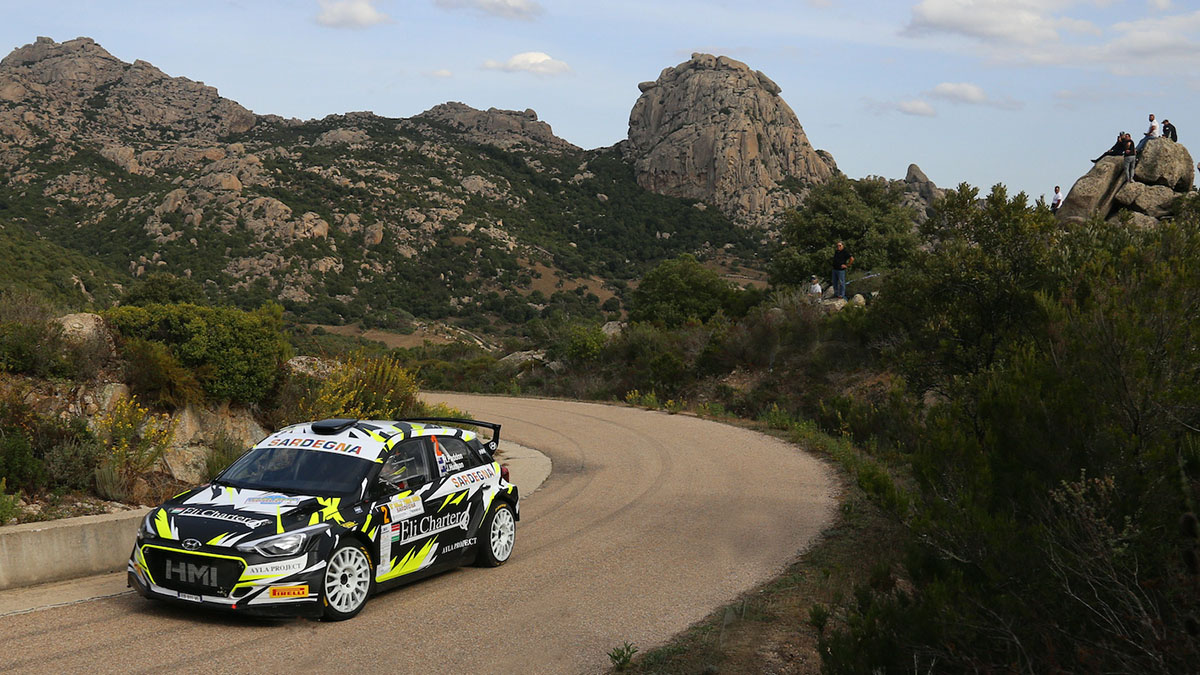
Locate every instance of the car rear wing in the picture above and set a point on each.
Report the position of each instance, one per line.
(459, 422)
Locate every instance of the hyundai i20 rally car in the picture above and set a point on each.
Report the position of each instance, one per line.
(318, 516)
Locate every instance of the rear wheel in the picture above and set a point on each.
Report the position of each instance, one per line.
(348, 581)
(500, 532)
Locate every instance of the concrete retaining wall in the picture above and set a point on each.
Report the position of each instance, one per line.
(35, 553)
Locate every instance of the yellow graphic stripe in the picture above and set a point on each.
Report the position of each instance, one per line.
(216, 541)
(314, 518)
(367, 522)
(162, 525)
(278, 521)
(329, 509)
(413, 561)
(452, 499)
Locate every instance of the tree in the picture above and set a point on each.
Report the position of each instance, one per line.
(680, 289)
(865, 214)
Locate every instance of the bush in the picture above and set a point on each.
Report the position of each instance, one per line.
(18, 463)
(154, 374)
(72, 464)
(680, 289)
(135, 440)
(233, 354)
(30, 341)
(364, 387)
(8, 503)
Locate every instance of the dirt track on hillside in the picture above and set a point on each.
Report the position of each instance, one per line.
(648, 522)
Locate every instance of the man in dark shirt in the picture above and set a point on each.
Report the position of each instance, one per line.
(1169, 131)
(1114, 151)
(841, 260)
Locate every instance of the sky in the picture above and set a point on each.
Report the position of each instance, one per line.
(1019, 92)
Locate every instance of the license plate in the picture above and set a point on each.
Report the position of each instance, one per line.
(190, 597)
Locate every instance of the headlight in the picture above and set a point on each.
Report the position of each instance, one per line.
(288, 543)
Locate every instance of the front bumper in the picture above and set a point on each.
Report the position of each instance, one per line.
(227, 579)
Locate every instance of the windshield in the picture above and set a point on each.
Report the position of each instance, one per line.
(297, 471)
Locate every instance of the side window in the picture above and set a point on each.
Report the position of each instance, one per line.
(407, 461)
(453, 455)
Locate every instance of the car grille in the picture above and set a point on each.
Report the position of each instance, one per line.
(192, 573)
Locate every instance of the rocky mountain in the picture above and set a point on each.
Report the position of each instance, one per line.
(483, 215)
(1163, 175)
(714, 130)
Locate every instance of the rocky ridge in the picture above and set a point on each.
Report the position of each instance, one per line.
(342, 218)
(507, 129)
(1163, 175)
(714, 130)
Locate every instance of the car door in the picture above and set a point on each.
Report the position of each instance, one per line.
(405, 537)
(461, 490)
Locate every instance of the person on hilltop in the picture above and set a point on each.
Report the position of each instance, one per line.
(814, 287)
(1114, 151)
(1129, 151)
(1057, 201)
(1152, 132)
(1169, 131)
(841, 260)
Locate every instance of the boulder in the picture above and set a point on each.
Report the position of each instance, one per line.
(714, 130)
(88, 330)
(508, 129)
(1151, 200)
(1165, 162)
(1094, 192)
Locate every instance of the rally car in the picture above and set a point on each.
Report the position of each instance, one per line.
(317, 517)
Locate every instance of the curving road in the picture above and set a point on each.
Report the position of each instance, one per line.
(648, 522)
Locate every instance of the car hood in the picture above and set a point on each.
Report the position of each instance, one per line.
(223, 516)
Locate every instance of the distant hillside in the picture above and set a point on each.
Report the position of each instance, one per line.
(351, 217)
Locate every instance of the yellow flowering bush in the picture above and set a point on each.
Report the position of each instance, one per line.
(134, 438)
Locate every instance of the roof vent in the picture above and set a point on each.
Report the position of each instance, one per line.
(331, 427)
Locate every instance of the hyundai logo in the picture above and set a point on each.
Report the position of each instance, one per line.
(191, 544)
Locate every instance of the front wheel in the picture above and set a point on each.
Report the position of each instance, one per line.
(348, 581)
(500, 530)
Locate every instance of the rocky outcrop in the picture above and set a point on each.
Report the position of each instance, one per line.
(714, 130)
(507, 129)
(78, 87)
(1163, 174)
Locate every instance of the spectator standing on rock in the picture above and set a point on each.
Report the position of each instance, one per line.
(1152, 132)
(841, 260)
(1169, 131)
(1057, 201)
(1114, 151)
(1130, 153)
(814, 287)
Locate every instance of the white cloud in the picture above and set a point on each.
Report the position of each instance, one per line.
(350, 14)
(972, 94)
(538, 63)
(1027, 22)
(1160, 4)
(442, 72)
(507, 9)
(916, 107)
(959, 92)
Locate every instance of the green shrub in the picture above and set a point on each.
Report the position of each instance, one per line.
(72, 463)
(8, 503)
(364, 387)
(233, 354)
(109, 483)
(18, 463)
(154, 374)
(30, 341)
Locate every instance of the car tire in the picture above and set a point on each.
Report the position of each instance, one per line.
(349, 580)
(499, 534)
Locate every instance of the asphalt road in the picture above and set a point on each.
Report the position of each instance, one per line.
(647, 523)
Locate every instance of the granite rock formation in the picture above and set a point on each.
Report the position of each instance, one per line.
(714, 130)
(1164, 173)
(76, 87)
(507, 129)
